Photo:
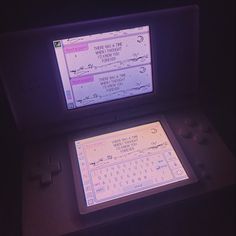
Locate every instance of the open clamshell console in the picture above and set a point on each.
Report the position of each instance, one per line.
(109, 114)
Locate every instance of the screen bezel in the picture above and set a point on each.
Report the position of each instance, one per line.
(80, 196)
(100, 26)
(113, 101)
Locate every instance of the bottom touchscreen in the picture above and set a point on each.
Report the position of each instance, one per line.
(127, 162)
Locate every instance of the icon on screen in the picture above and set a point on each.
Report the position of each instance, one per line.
(57, 44)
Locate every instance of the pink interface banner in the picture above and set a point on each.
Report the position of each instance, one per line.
(82, 80)
(75, 47)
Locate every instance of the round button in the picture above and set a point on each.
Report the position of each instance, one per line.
(205, 175)
(185, 133)
(200, 139)
(190, 122)
(200, 165)
(205, 128)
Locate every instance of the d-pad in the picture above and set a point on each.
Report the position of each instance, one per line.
(44, 170)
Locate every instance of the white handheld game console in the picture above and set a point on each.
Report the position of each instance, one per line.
(108, 111)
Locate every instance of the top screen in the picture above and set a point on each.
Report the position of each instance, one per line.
(104, 67)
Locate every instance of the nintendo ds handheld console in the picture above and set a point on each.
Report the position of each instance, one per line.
(108, 111)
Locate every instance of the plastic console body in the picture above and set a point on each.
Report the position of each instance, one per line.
(32, 80)
(55, 207)
(40, 113)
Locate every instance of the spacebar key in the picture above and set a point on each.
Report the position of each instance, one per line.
(135, 187)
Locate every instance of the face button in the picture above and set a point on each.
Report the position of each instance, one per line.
(185, 133)
(200, 139)
(190, 122)
(205, 128)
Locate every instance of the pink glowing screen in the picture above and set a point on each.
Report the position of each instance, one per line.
(126, 162)
(104, 67)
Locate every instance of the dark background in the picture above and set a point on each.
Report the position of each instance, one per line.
(212, 215)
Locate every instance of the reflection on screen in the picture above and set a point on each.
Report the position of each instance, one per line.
(125, 162)
(103, 67)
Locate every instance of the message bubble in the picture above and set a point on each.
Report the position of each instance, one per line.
(113, 85)
(123, 50)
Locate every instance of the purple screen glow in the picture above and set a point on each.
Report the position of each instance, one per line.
(104, 67)
(126, 162)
